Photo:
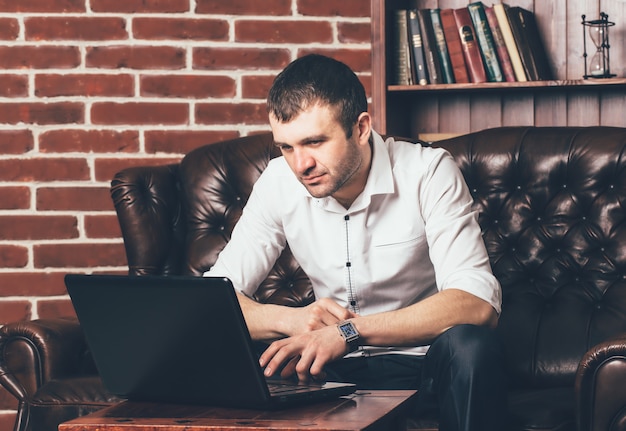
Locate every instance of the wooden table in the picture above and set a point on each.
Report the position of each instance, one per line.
(364, 410)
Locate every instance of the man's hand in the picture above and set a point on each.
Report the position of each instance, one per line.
(317, 315)
(270, 321)
(305, 354)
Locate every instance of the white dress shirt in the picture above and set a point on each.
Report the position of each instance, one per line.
(410, 233)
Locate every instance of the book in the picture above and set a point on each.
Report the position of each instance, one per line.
(401, 71)
(471, 50)
(529, 44)
(455, 50)
(442, 48)
(501, 51)
(418, 59)
(430, 47)
(485, 42)
(511, 46)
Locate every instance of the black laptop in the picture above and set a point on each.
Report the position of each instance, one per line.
(179, 340)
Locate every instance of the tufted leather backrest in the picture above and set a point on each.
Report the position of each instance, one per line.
(176, 219)
(551, 207)
(552, 210)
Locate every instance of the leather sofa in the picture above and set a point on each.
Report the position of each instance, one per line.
(552, 207)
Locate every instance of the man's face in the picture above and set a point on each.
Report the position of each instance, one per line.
(318, 152)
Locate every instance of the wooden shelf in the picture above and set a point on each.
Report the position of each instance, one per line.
(507, 86)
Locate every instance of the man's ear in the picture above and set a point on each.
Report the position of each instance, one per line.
(364, 125)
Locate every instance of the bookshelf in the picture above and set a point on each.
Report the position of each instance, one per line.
(437, 111)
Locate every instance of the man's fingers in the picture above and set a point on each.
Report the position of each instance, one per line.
(278, 353)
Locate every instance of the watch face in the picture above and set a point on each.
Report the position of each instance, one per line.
(348, 330)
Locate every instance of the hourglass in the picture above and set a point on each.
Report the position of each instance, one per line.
(599, 33)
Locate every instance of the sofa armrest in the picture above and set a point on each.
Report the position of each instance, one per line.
(601, 386)
(35, 352)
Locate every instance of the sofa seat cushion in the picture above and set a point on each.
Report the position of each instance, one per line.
(59, 401)
(542, 410)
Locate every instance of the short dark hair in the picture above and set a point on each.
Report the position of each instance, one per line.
(316, 78)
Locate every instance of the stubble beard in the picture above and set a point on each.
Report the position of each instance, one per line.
(344, 173)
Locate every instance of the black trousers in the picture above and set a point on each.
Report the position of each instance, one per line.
(460, 381)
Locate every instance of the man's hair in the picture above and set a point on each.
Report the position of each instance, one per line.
(317, 79)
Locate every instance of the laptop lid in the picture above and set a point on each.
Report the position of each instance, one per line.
(175, 339)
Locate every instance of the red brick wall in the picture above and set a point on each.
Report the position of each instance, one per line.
(88, 87)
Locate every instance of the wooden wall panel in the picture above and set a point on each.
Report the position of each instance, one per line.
(485, 111)
(518, 109)
(616, 9)
(550, 109)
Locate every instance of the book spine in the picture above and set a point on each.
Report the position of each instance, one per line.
(485, 42)
(430, 47)
(509, 41)
(541, 63)
(503, 54)
(418, 58)
(401, 66)
(442, 48)
(471, 50)
(519, 34)
(455, 50)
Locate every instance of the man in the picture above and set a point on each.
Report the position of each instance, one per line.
(405, 297)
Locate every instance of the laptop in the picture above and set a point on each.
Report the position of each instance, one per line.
(181, 340)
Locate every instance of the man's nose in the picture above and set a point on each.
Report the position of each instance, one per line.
(303, 161)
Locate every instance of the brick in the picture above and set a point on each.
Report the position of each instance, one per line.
(9, 29)
(75, 28)
(141, 6)
(343, 8)
(187, 86)
(89, 141)
(39, 57)
(55, 308)
(119, 85)
(16, 141)
(73, 198)
(15, 311)
(31, 284)
(256, 86)
(135, 57)
(231, 113)
(107, 168)
(14, 198)
(79, 255)
(13, 86)
(240, 58)
(183, 141)
(42, 113)
(180, 29)
(43, 169)
(102, 226)
(13, 256)
(359, 60)
(59, 6)
(354, 32)
(244, 7)
(270, 31)
(140, 113)
(37, 227)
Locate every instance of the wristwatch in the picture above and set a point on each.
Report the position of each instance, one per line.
(350, 334)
